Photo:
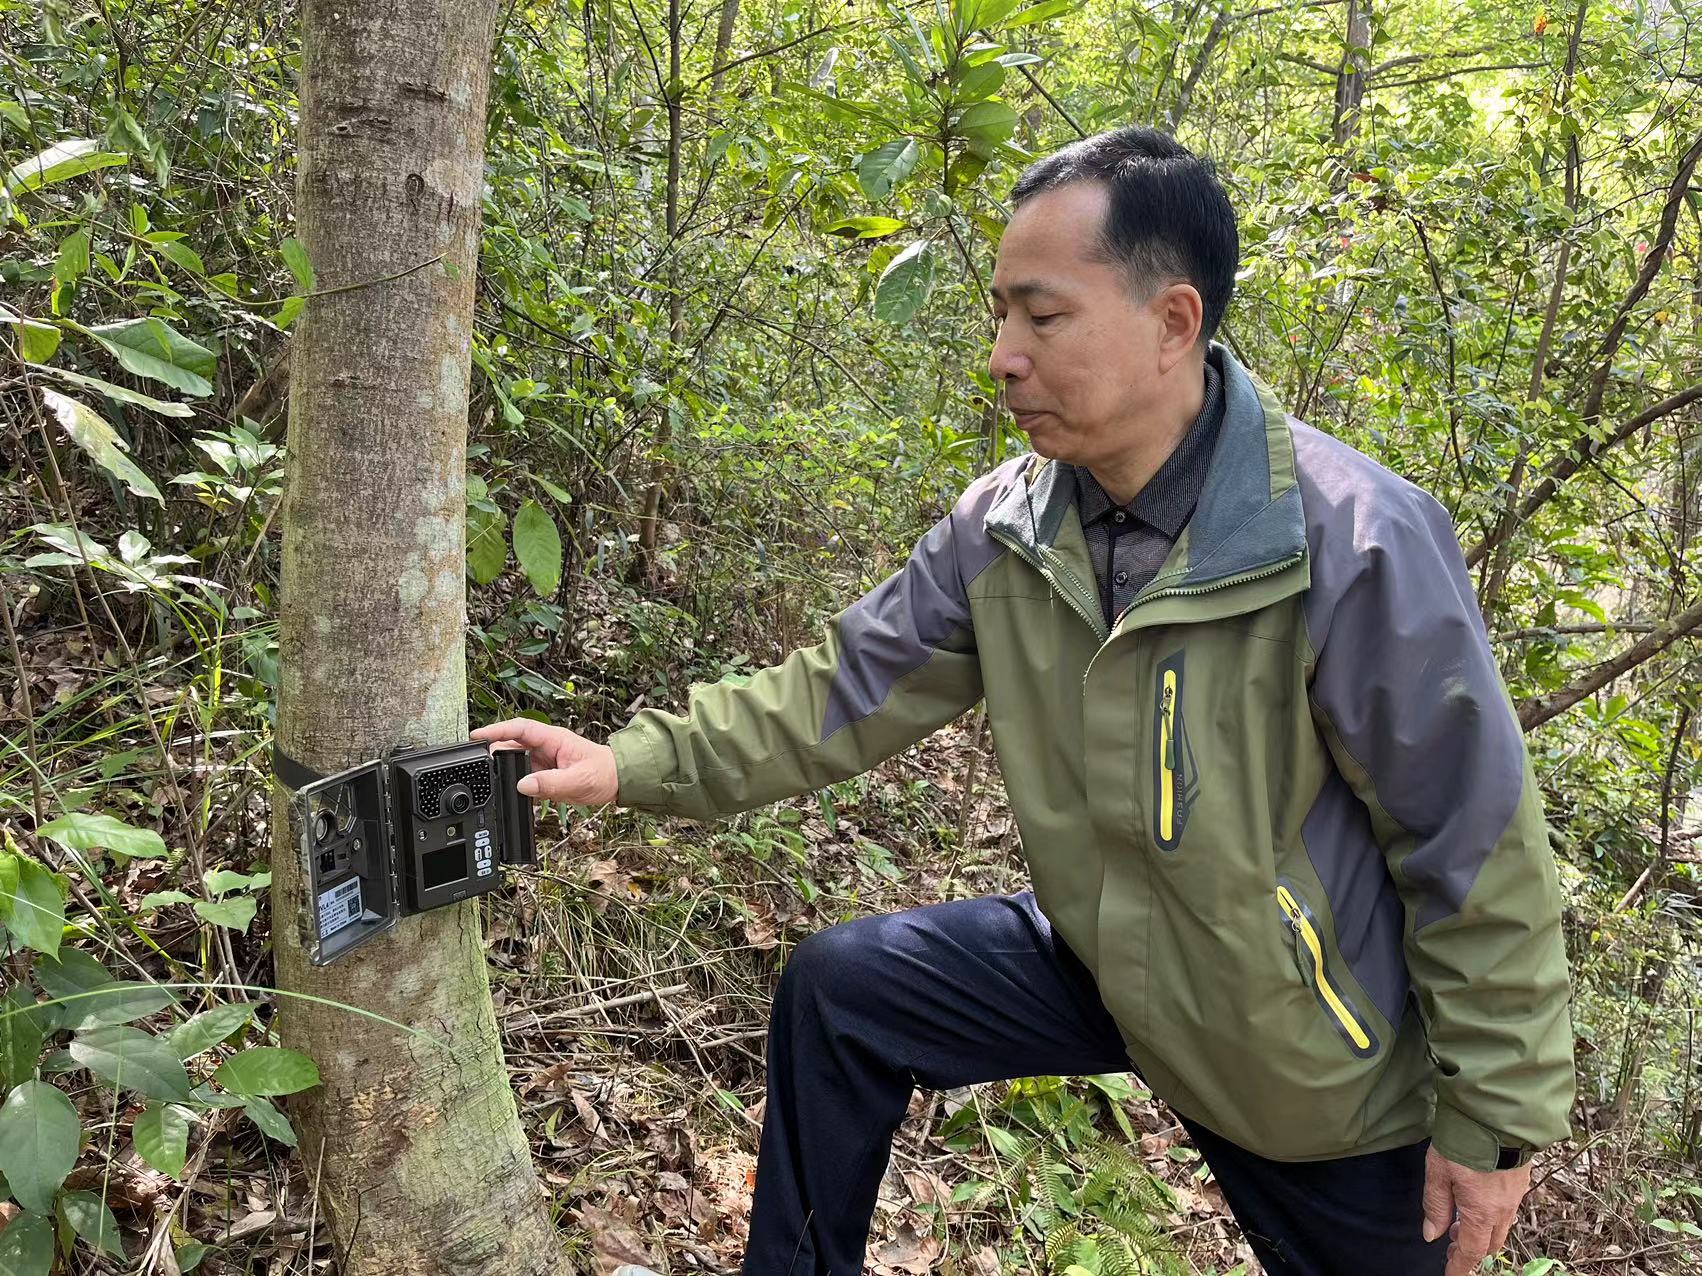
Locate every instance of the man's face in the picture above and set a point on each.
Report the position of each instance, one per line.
(1082, 355)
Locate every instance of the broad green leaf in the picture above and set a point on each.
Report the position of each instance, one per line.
(1038, 13)
(487, 546)
(886, 166)
(121, 1001)
(122, 393)
(295, 257)
(92, 432)
(905, 283)
(267, 1070)
(72, 263)
(537, 545)
(235, 913)
(26, 1246)
(37, 918)
(37, 341)
(70, 972)
(977, 83)
(208, 1028)
(151, 348)
(161, 1135)
(866, 227)
(82, 831)
(225, 880)
(132, 1060)
(93, 1221)
(13, 113)
(287, 313)
(984, 125)
(182, 255)
(39, 1137)
(8, 882)
(22, 1031)
(273, 1123)
(60, 162)
(159, 899)
(190, 1254)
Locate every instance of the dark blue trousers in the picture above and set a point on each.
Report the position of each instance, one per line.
(981, 990)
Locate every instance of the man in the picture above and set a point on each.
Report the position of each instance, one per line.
(1288, 854)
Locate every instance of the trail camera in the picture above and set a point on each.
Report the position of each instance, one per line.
(411, 831)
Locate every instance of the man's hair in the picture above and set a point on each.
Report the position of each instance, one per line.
(1168, 218)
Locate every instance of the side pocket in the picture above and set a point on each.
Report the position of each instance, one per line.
(1313, 961)
(1175, 783)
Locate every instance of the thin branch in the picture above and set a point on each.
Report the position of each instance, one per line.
(1537, 710)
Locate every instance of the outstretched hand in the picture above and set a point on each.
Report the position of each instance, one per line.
(566, 767)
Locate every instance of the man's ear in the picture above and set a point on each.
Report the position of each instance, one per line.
(1180, 312)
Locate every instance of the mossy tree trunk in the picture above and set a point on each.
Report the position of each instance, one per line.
(414, 1136)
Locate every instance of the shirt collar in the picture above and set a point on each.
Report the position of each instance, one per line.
(1168, 499)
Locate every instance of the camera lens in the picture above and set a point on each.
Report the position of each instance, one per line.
(324, 824)
(457, 800)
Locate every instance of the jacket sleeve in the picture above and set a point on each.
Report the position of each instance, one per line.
(894, 667)
(1408, 696)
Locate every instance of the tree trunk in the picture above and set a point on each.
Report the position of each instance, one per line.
(1350, 79)
(414, 1136)
(676, 302)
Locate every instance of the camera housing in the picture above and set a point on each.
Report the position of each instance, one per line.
(411, 831)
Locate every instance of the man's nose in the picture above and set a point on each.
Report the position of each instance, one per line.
(1007, 363)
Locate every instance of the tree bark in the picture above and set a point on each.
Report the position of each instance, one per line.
(1350, 78)
(414, 1136)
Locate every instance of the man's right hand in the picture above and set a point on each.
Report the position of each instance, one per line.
(566, 767)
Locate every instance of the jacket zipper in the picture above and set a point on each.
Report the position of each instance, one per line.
(1167, 761)
(1302, 927)
(1096, 622)
(1225, 583)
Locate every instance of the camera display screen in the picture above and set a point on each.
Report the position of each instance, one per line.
(440, 868)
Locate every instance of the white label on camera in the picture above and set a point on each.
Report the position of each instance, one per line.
(338, 907)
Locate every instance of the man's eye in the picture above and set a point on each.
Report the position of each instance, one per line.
(1043, 320)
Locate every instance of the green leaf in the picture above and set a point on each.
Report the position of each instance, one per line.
(70, 972)
(977, 83)
(39, 1137)
(132, 1060)
(8, 882)
(151, 348)
(37, 918)
(121, 393)
(93, 1221)
(120, 1001)
(60, 162)
(886, 166)
(537, 545)
(866, 227)
(208, 1028)
(81, 831)
(224, 880)
(26, 1246)
(189, 1255)
(295, 257)
(273, 1123)
(984, 125)
(72, 263)
(22, 1031)
(234, 913)
(38, 341)
(1039, 13)
(289, 312)
(182, 255)
(905, 283)
(161, 1135)
(487, 547)
(92, 432)
(267, 1070)
(159, 899)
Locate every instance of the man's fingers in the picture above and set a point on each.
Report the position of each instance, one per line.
(1499, 1241)
(1438, 1200)
(1470, 1248)
(524, 730)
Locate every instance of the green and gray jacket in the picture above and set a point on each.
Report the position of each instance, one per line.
(1282, 809)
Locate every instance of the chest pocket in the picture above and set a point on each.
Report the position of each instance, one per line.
(1175, 780)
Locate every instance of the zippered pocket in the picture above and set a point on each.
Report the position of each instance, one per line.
(1313, 961)
(1174, 780)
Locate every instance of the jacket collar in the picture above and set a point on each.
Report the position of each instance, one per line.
(1248, 517)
